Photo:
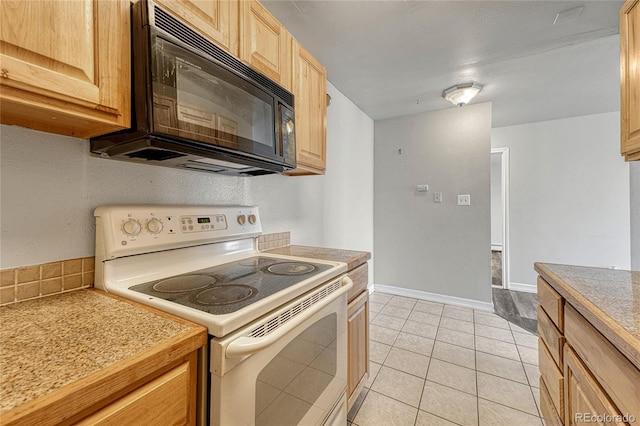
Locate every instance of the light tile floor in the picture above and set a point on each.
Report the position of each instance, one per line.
(435, 364)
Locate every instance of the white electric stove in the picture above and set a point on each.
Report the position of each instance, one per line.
(277, 324)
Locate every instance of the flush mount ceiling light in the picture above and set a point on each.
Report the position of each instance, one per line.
(461, 94)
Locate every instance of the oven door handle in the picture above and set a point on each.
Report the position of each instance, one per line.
(246, 345)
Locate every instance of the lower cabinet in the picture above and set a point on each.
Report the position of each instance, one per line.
(167, 399)
(585, 399)
(583, 377)
(358, 334)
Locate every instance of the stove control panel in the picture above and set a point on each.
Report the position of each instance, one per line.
(127, 230)
(203, 223)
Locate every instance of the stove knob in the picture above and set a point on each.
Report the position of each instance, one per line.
(131, 227)
(242, 219)
(154, 226)
(252, 219)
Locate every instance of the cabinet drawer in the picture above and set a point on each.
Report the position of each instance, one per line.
(552, 303)
(552, 377)
(546, 406)
(615, 373)
(165, 400)
(360, 278)
(551, 336)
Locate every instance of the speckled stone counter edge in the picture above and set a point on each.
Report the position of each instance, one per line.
(352, 258)
(70, 321)
(619, 336)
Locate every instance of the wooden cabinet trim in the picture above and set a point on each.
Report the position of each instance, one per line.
(357, 346)
(360, 278)
(547, 408)
(582, 392)
(550, 335)
(63, 93)
(310, 90)
(552, 376)
(216, 19)
(629, 80)
(551, 302)
(615, 373)
(164, 399)
(256, 25)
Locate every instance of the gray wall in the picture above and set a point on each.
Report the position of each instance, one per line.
(420, 245)
(569, 194)
(49, 187)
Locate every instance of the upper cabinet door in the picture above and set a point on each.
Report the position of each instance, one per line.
(215, 19)
(630, 80)
(65, 65)
(265, 44)
(310, 90)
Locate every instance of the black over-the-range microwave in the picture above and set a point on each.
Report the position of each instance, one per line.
(196, 107)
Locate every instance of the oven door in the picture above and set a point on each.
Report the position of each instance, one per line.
(294, 374)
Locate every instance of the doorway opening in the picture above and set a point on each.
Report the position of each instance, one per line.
(500, 217)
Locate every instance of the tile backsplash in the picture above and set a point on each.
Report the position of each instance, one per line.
(32, 282)
(271, 241)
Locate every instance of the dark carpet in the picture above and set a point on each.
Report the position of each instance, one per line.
(517, 307)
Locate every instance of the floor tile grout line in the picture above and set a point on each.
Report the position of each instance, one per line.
(430, 356)
(422, 392)
(390, 397)
(508, 406)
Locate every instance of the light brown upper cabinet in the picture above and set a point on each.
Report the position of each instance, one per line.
(630, 80)
(64, 65)
(310, 90)
(215, 19)
(264, 43)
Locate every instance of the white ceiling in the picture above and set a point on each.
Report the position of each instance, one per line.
(385, 55)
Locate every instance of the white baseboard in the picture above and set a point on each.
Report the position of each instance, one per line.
(528, 288)
(433, 297)
(496, 247)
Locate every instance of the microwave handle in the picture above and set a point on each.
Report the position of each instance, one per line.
(246, 345)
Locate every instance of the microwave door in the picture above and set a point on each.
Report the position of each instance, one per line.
(197, 99)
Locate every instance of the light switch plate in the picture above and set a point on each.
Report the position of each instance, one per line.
(464, 200)
(437, 197)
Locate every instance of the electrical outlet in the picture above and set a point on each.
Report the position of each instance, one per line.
(437, 197)
(464, 200)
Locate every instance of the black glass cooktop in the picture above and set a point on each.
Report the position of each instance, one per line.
(231, 286)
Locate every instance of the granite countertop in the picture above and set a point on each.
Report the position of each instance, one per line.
(608, 298)
(48, 343)
(352, 258)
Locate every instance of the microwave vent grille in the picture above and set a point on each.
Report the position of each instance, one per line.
(177, 29)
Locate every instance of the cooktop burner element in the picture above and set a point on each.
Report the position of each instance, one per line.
(244, 282)
(184, 283)
(226, 294)
(291, 268)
